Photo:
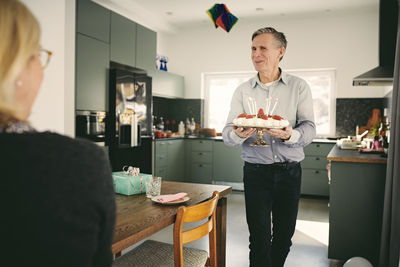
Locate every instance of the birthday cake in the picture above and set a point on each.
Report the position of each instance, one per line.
(260, 120)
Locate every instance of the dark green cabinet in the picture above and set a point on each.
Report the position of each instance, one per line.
(315, 176)
(103, 36)
(146, 49)
(93, 20)
(227, 163)
(92, 63)
(160, 158)
(355, 210)
(169, 159)
(199, 159)
(123, 40)
(176, 160)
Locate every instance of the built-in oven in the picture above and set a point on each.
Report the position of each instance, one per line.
(91, 125)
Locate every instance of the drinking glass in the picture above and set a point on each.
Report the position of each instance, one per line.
(153, 186)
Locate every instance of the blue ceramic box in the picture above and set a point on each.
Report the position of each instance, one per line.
(127, 184)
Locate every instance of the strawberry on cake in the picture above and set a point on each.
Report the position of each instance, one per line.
(260, 120)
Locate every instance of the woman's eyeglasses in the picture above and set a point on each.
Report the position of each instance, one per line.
(44, 56)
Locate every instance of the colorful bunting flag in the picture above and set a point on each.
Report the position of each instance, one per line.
(222, 17)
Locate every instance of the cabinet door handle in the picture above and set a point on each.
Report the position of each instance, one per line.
(316, 158)
(200, 165)
(317, 172)
(200, 142)
(318, 145)
(200, 154)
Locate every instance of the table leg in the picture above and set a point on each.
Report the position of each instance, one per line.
(221, 231)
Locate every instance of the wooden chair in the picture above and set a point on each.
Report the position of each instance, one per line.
(157, 254)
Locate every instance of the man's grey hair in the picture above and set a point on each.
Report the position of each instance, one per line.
(279, 36)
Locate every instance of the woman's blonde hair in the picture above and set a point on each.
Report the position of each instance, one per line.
(20, 35)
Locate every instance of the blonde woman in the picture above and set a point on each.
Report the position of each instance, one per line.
(57, 199)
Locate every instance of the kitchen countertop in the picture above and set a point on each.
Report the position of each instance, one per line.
(324, 140)
(219, 138)
(346, 155)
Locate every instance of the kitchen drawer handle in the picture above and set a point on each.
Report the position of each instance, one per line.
(200, 142)
(318, 145)
(200, 165)
(316, 171)
(316, 158)
(200, 153)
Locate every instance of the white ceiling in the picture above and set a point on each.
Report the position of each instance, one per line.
(170, 15)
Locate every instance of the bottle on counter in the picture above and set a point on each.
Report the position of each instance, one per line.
(181, 128)
(167, 125)
(386, 125)
(174, 127)
(187, 127)
(192, 126)
(160, 124)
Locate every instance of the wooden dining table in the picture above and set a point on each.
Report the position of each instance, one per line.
(139, 217)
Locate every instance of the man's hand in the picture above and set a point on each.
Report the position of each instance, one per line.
(283, 134)
(242, 132)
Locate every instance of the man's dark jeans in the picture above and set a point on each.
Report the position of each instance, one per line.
(271, 189)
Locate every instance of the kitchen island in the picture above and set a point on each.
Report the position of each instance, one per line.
(356, 204)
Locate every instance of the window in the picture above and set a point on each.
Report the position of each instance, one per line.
(322, 84)
(219, 88)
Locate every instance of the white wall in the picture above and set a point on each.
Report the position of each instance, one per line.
(54, 106)
(345, 40)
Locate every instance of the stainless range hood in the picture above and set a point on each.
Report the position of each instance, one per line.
(383, 74)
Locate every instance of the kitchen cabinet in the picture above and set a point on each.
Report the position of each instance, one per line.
(92, 64)
(167, 84)
(93, 20)
(176, 160)
(199, 159)
(169, 159)
(123, 40)
(355, 205)
(146, 49)
(227, 164)
(314, 174)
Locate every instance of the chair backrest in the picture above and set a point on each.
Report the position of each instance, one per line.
(192, 214)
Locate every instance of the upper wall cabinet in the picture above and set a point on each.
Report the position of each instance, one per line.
(92, 63)
(146, 49)
(123, 40)
(167, 84)
(93, 20)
